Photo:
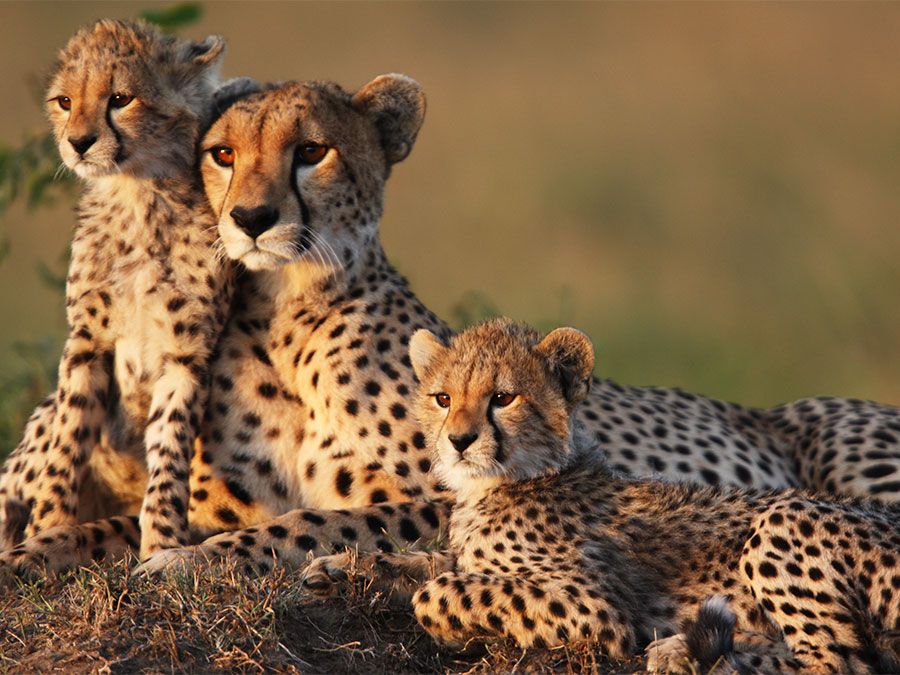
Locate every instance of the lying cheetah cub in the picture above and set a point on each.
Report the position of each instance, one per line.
(146, 294)
(548, 547)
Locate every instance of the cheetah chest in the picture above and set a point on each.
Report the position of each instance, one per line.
(140, 343)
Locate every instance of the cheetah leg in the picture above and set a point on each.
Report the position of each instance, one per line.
(458, 607)
(396, 575)
(81, 400)
(843, 446)
(291, 539)
(68, 546)
(169, 441)
(816, 594)
(18, 473)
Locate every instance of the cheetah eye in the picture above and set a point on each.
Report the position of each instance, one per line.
(120, 100)
(311, 153)
(64, 102)
(502, 399)
(223, 156)
(442, 400)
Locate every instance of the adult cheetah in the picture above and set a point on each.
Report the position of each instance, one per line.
(548, 546)
(146, 296)
(325, 320)
(309, 400)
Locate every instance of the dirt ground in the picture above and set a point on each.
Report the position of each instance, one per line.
(102, 619)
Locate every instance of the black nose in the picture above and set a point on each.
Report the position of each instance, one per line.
(462, 442)
(83, 144)
(254, 221)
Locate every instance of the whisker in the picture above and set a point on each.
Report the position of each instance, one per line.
(335, 264)
(326, 253)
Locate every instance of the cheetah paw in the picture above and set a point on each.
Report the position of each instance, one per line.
(17, 564)
(325, 573)
(668, 655)
(168, 560)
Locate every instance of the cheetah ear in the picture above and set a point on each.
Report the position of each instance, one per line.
(233, 90)
(570, 356)
(424, 347)
(206, 53)
(396, 105)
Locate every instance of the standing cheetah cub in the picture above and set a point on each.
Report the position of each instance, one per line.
(146, 294)
(547, 546)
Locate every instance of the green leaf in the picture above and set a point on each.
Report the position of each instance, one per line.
(175, 16)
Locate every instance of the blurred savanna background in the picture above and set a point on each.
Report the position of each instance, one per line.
(710, 190)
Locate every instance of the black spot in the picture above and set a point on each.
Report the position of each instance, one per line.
(238, 491)
(306, 542)
(376, 524)
(768, 570)
(710, 476)
(429, 515)
(261, 355)
(313, 518)
(267, 390)
(175, 304)
(277, 531)
(408, 530)
(781, 544)
(343, 482)
(879, 470)
(226, 515)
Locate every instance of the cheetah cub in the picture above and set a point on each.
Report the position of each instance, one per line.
(146, 294)
(547, 546)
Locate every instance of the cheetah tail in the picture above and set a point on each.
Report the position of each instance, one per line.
(710, 637)
(879, 649)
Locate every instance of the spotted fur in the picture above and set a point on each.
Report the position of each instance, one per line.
(549, 547)
(146, 296)
(310, 399)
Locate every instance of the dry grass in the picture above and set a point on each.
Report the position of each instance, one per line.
(101, 619)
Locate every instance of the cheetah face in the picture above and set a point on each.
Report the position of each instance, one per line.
(125, 98)
(295, 173)
(497, 402)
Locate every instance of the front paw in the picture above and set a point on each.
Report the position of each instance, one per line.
(668, 655)
(169, 560)
(19, 563)
(325, 573)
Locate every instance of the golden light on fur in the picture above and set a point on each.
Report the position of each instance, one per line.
(117, 84)
(495, 403)
(318, 146)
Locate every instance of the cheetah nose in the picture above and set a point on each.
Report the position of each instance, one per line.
(83, 144)
(254, 221)
(462, 442)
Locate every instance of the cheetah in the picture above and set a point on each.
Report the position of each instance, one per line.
(549, 546)
(308, 427)
(146, 292)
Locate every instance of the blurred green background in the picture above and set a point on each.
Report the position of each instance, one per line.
(709, 190)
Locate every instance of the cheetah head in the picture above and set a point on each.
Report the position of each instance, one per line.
(497, 402)
(126, 98)
(296, 172)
